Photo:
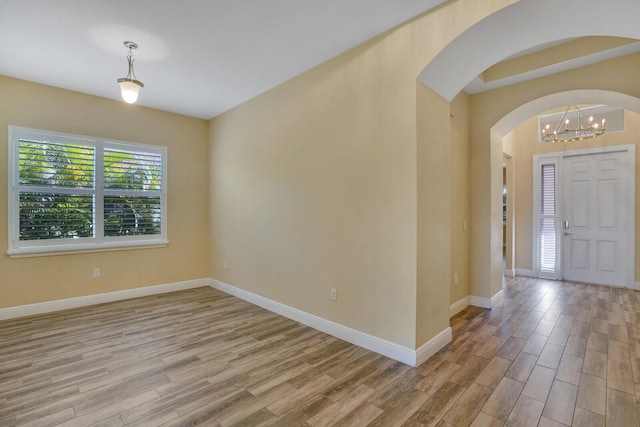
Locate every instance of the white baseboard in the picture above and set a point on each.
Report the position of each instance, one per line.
(431, 347)
(480, 302)
(497, 298)
(459, 305)
(386, 348)
(487, 302)
(510, 273)
(63, 304)
(524, 272)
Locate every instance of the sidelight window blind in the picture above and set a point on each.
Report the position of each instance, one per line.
(548, 238)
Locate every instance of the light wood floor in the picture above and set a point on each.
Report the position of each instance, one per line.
(554, 354)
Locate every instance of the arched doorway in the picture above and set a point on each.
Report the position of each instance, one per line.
(514, 29)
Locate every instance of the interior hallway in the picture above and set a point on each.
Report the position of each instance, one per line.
(555, 353)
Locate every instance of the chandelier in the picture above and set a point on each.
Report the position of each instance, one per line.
(129, 85)
(574, 125)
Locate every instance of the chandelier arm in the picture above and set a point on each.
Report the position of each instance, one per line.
(558, 128)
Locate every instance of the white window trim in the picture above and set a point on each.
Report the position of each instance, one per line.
(83, 245)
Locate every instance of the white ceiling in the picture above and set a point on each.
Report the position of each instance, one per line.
(195, 57)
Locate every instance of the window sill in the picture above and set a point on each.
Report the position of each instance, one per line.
(81, 249)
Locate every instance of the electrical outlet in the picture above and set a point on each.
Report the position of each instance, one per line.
(96, 273)
(224, 265)
(464, 225)
(455, 278)
(333, 295)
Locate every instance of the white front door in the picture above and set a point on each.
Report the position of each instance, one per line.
(595, 218)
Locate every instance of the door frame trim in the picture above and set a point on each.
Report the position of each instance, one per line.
(557, 158)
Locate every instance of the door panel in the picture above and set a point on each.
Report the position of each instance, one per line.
(579, 255)
(607, 256)
(593, 208)
(578, 206)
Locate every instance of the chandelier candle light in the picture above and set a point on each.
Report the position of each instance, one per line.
(129, 85)
(565, 131)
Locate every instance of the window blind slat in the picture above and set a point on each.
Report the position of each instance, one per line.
(131, 216)
(55, 216)
(56, 165)
(132, 170)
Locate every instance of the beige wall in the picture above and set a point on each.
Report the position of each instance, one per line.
(326, 182)
(313, 187)
(527, 146)
(460, 203)
(434, 214)
(38, 279)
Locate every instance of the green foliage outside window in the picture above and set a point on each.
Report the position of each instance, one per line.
(62, 204)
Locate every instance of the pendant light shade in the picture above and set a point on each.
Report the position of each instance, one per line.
(129, 85)
(130, 89)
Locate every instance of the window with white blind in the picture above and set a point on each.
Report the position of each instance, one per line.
(546, 216)
(548, 238)
(71, 193)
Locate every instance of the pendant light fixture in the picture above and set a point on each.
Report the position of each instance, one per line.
(573, 126)
(129, 85)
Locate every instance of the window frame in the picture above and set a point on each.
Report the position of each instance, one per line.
(99, 242)
(539, 161)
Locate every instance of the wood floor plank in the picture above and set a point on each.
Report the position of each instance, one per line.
(585, 418)
(535, 344)
(511, 348)
(558, 336)
(403, 408)
(570, 369)
(342, 408)
(592, 394)
(493, 372)
(469, 371)
(469, 405)
(621, 409)
(51, 419)
(522, 367)
(361, 416)
(595, 363)
(552, 353)
(620, 376)
(484, 420)
(299, 396)
(430, 384)
(539, 383)
(432, 411)
(525, 413)
(561, 402)
(503, 399)
(490, 347)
